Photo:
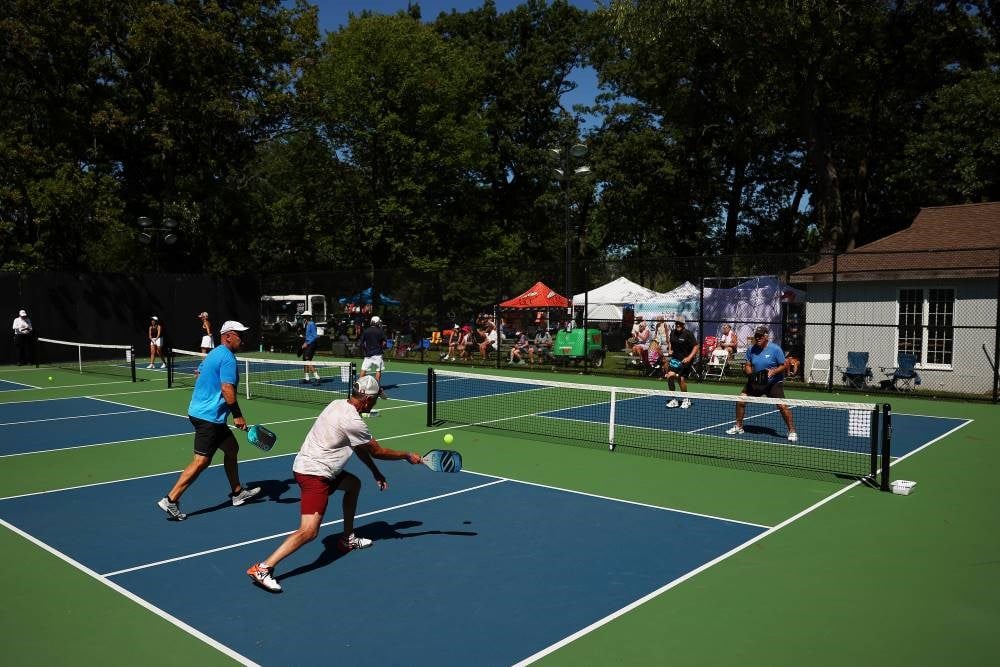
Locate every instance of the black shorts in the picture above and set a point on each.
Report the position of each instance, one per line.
(684, 371)
(774, 390)
(209, 436)
(308, 351)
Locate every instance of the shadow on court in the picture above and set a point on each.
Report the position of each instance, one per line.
(377, 531)
(270, 490)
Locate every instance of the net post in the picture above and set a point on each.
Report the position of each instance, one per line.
(611, 420)
(246, 383)
(876, 429)
(431, 385)
(352, 376)
(131, 357)
(79, 357)
(170, 367)
(886, 445)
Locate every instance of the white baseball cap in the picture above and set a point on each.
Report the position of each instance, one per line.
(23, 313)
(375, 320)
(203, 314)
(307, 313)
(232, 325)
(154, 317)
(367, 386)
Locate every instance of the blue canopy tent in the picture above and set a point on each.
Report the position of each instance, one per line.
(364, 297)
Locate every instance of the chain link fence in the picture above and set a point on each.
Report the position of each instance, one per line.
(919, 323)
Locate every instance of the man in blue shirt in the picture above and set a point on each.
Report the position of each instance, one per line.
(765, 368)
(213, 400)
(373, 341)
(309, 348)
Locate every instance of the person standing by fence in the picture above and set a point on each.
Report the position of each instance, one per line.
(22, 338)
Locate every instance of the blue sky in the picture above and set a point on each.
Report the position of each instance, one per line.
(333, 14)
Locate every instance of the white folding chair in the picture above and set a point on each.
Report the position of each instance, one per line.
(821, 365)
(716, 366)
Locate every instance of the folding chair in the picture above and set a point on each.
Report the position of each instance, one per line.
(716, 366)
(857, 373)
(904, 376)
(820, 364)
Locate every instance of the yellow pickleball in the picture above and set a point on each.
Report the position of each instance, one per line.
(448, 438)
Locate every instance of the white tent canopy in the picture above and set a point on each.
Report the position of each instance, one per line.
(619, 291)
(606, 302)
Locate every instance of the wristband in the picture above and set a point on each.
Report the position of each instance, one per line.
(234, 409)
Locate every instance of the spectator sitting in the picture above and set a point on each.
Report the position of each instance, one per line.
(642, 338)
(728, 339)
(467, 343)
(654, 355)
(489, 344)
(520, 347)
(454, 338)
(542, 346)
(793, 364)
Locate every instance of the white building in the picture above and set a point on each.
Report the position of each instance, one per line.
(929, 290)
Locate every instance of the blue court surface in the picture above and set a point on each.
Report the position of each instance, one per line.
(466, 569)
(45, 425)
(7, 385)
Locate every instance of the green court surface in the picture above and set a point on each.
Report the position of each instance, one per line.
(846, 575)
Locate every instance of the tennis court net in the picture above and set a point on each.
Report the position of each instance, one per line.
(117, 360)
(844, 439)
(278, 379)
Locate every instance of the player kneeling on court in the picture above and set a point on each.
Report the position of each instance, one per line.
(338, 432)
(765, 368)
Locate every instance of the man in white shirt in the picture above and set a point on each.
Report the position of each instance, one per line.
(338, 433)
(22, 338)
(490, 343)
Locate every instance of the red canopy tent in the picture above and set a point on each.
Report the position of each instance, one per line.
(537, 296)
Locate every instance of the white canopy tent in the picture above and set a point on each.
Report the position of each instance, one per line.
(606, 302)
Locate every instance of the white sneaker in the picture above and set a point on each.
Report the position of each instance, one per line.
(172, 509)
(163, 365)
(685, 404)
(673, 403)
(736, 430)
(264, 577)
(150, 366)
(244, 495)
(352, 542)
(793, 436)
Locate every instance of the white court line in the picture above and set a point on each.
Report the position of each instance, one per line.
(71, 386)
(55, 419)
(289, 532)
(194, 632)
(676, 582)
(94, 444)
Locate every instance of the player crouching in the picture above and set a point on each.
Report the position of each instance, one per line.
(338, 432)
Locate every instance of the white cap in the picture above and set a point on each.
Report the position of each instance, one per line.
(23, 313)
(375, 320)
(154, 317)
(367, 386)
(307, 313)
(232, 325)
(202, 314)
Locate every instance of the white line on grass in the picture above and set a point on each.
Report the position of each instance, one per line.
(222, 648)
(676, 582)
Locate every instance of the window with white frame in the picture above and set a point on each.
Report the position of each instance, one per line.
(926, 325)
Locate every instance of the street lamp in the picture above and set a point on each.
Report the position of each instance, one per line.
(564, 172)
(150, 234)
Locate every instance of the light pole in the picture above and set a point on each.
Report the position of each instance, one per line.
(564, 172)
(150, 234)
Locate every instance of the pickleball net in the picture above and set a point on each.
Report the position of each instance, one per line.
(116, 360)
(844, 439)
(276, 379)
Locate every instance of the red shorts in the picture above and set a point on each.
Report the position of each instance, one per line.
(316, 491)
